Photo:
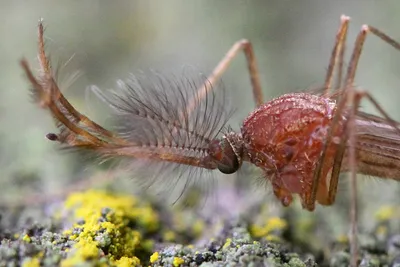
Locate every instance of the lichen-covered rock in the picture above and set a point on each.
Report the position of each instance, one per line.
(95, 228)
(100, 228)
(235, 245)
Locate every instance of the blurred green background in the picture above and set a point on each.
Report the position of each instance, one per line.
(110, 39)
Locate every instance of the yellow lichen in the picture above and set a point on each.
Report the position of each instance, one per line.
(84, 250)
(127, 262)
(32, 262)
(228, 243)
(87, 248)
(273, 238)
(271, 225)
(198, 227)
(154, 257)
(342, 239)
(385, 213)
(147, 218)
(178, 261)
(26, 238)
(67, 232)
(169, 236)
(103, 219)
(147, 244)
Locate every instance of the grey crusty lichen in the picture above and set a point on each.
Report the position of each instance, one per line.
(99, 228)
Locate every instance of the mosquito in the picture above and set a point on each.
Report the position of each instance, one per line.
(301, 141)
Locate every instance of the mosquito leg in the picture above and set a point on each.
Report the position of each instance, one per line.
(353, 181)
(357, 97)
(337, 163)
(353, 97)
(337, 53)
(347, 96)
(247, 48)
(339, 77)
(351, 71)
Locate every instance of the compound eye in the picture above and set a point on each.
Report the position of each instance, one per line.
(229, 166)
(229, 163)
(227, 159)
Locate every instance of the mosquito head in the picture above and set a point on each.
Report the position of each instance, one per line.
(227, 152)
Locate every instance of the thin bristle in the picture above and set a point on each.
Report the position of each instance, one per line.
(154, 125)
(152, 111)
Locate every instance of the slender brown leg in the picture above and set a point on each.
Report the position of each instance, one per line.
(353, 66)
(337, 163)
(339, 77)
(247, 48)
(354, 97)
(336, 59)
(337, 54)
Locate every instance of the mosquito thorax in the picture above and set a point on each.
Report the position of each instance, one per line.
(227, 152)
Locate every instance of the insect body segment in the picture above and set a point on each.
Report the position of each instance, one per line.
(285, 137)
